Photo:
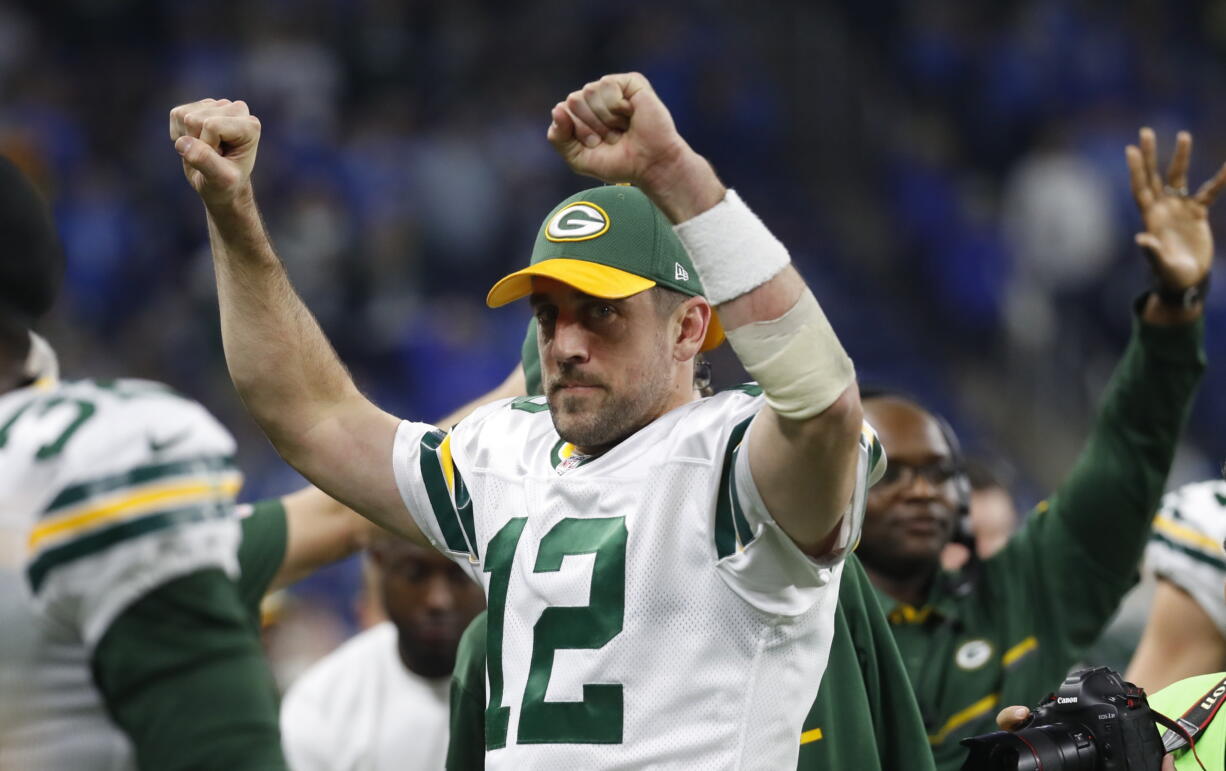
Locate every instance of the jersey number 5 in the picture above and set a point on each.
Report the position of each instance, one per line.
(597, 719)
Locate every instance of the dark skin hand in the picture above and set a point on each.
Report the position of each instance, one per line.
(1177, 232)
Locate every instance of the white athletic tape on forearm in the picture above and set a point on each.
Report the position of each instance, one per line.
(41, 363)
(796, 358)
(731, 248)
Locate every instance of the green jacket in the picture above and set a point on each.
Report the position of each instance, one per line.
(865, 717)
(182, 672)
(1009, 635)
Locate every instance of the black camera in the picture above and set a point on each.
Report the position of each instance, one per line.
(1095, 722)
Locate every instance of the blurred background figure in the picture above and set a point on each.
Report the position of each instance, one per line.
(1185, 633)
(992, 519)
(380, 701)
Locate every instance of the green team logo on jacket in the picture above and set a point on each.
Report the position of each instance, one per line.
(580, 221)
(973, 654)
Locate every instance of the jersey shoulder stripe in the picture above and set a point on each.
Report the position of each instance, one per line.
(87, 506)
(438, 474)
(1176, 531)
(100, 540)
(135, 477)
(91, 516)
(732, 531)
(876, 453)
(1192, 518)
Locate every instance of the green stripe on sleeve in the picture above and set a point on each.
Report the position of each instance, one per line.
(464, 508)
(743, 531)
(1196, 554)
(725, 525)
(440, 496)
(103, 539)
(140, 475)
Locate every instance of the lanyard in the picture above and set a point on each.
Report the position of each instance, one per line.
(1183, 732)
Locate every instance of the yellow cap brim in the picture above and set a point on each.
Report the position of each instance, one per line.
(588, 277)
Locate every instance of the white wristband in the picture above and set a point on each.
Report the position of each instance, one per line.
(731, 249)
(796, 358)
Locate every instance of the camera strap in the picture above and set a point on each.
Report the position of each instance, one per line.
(1183, 732)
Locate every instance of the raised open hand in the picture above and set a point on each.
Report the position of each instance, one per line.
(217, 140)
(615, 129)
(1177, 230)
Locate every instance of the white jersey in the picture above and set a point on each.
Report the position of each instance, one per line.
(1185, 547)
(107, 490)
(360, 709)
(645, 610)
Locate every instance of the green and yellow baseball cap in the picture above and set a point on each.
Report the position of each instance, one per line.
(609, 242)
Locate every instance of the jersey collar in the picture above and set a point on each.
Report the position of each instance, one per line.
(563, 457)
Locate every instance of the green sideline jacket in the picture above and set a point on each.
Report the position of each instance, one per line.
(1009, 636)
(169, 665)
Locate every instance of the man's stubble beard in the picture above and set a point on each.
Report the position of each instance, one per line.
(617, 417)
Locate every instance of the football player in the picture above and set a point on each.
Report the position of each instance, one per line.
(129, 583)
(612, 519)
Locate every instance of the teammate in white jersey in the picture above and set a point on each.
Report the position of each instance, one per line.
(1185, 634)
(661, 571)
(123, 639)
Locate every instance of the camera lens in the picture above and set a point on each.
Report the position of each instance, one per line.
(1040, 748)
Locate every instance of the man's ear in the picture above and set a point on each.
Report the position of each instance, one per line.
(691, 319)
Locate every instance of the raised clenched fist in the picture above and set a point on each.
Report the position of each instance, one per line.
(217, 140)
(615, 129)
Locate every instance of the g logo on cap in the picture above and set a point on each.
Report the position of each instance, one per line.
(580, 221)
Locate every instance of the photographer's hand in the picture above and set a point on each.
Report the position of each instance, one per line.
(1013, 718)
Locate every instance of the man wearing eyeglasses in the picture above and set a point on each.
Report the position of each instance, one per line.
(1005, 630)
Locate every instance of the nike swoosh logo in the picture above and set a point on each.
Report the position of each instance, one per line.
(156, 446)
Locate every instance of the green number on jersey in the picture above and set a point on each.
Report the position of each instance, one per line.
(85, 411)
(598, 718)
(499, 556)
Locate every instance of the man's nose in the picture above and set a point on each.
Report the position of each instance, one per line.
(439, 594)
(921, 487)
(570, 340)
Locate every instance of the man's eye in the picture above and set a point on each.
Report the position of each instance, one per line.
(603, 310)
(546, 315)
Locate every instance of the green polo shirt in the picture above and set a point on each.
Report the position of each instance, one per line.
(865, 717)
(1009, 636)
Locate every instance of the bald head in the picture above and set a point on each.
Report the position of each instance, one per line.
(912, 512)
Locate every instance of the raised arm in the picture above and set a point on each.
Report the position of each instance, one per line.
(286, 372)
(1093, 531)
(803, 447)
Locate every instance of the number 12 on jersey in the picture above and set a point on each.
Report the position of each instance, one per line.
(598, 718)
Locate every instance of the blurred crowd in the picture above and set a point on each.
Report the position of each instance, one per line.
(949, 177)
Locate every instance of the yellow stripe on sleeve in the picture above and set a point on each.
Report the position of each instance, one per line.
(147, 500)
(810, 736)
(444, 460)
(1187, 536)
